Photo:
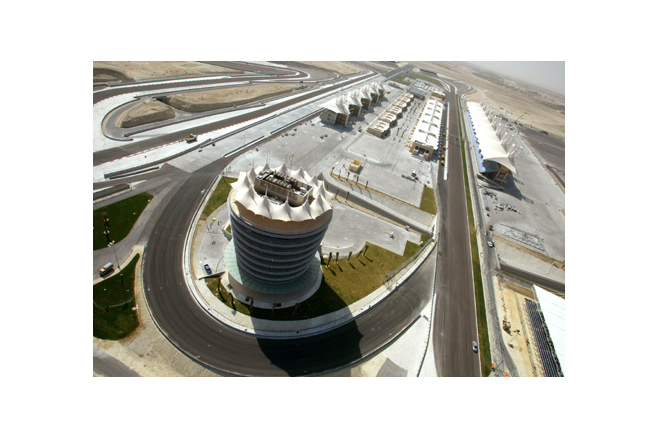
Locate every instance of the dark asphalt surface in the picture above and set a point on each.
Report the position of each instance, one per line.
(455, 324)
(224, 349)
(535, 278)
(550, 148)
(108, 366)
(130, 148)
(227, 351)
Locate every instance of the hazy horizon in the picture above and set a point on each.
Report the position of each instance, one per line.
(546, 74)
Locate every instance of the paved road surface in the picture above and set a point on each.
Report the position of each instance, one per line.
(455, 314)
(108, 366)
(535, 278)
(551, 149)
(130, 148)
(221, 348)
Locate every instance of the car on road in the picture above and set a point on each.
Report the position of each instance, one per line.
(544, 132)
(490, 244)
(208, 269)
(474, 346)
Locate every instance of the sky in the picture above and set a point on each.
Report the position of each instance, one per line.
(546, 74)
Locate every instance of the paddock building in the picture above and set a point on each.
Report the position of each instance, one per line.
(426, 134)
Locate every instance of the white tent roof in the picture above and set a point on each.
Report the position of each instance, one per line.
(364, 93)
(427, 129)
(353, 98)
(553, 310)
(338, 105)
(488, 142)
(246, 195)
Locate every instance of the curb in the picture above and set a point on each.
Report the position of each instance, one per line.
(340, 317)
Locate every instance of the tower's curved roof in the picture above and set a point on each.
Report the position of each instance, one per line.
(316, 203)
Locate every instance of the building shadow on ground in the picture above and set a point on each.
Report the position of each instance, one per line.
(316, 353)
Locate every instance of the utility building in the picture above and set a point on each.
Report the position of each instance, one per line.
(379, 128)
(278, 220)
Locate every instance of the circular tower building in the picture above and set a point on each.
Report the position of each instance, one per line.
(278, 221)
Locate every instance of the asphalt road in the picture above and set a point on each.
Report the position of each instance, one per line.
(535, 278)
(108, 366)
(226, 350)
(130, 148)
(550, 148)
(455, 324)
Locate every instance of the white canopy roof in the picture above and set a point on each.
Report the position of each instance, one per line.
(427, 129)
(353, 98)
(364, 93)
(553, 310)
(260, 205)
(488, 142)
(338, 105)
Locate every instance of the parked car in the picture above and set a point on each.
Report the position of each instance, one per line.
(208, 269)
(490, 244)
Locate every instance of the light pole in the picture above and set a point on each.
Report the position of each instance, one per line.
(121, 275)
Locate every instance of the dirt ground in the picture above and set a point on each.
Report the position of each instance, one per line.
(540, 109)
(335, 66)
(148, 112)
(146, 350)
(225, 97)
(510, 305)
(141, 70)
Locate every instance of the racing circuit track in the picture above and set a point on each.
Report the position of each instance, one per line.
(225, 350)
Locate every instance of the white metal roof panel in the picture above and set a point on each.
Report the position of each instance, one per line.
(488, 142)
(553, 310)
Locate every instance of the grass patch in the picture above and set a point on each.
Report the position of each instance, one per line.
(428, 201)
(425, 78)
(341, 286)
(483, 337)
(219, 197)
(401, 79)
(412, 75)
(118, 321)
(229, 228)
(121, 215)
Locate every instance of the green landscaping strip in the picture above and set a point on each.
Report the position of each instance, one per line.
(121, 216)
(114, 317)
(428, 201)
(483, 337)
(219, 197)
(343, 284)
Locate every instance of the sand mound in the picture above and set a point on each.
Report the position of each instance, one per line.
(137, 71)
(226, 97)
(335, 66)
(148, 112)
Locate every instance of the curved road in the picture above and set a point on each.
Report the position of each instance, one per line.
(130, 148)
(226, 350)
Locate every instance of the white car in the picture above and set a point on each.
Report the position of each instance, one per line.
(474, 346)
(490, 244)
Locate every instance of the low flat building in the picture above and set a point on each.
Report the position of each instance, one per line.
(390, 118)
(379, 128)
(426, 134)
